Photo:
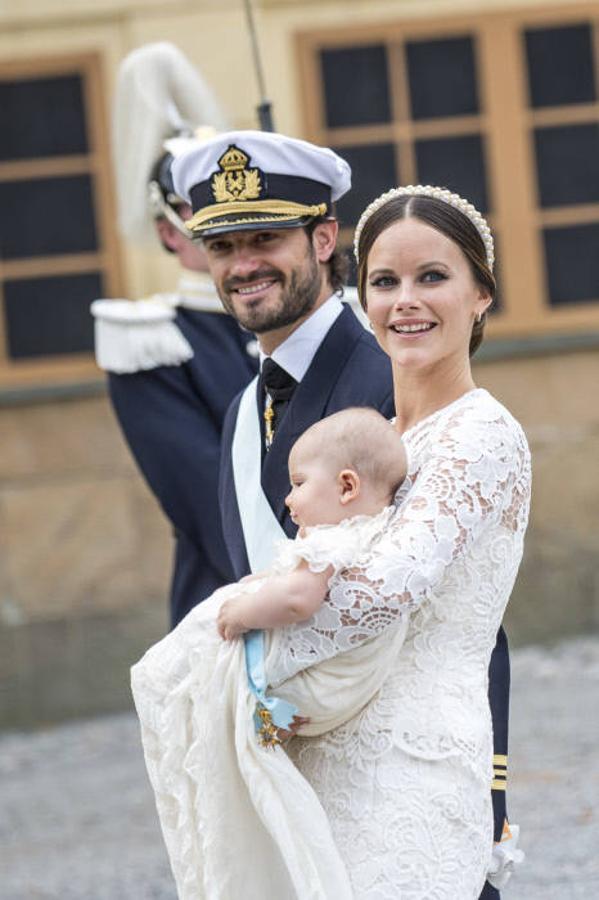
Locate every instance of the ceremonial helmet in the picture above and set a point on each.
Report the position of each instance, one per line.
(163, 107)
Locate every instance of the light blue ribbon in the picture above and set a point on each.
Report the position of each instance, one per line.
(261, 530)
(282, 713)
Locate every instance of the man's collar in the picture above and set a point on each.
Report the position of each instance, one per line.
(297, 351)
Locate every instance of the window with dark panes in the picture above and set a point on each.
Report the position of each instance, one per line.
(405, 111)
(572, 256)
(43, 117)
(562, 67)
(47, 217)
(567, 158)
(57, 248)
(458, 163)
(54, 303)
(356, 86)
(442, 78)
(501, 108)
(373, 170)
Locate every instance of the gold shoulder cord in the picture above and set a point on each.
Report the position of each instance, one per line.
(499, 782)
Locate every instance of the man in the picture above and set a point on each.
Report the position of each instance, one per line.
(175, 361)
(264, 209)
(280, 281)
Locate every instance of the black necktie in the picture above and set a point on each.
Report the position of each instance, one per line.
(278, 386)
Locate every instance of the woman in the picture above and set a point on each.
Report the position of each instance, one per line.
(406, 782)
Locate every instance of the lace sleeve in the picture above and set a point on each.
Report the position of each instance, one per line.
(475, 475)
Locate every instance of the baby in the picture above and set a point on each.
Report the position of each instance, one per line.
(203, 732)
(348, 464)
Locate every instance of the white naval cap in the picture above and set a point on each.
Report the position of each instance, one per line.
(248, 179)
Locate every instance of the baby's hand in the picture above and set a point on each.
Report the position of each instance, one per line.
(228, 621)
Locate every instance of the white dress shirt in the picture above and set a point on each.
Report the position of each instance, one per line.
(298, 350)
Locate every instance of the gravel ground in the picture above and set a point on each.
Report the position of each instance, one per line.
(77, 820)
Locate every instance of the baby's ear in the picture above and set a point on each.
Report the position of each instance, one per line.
(349, 485)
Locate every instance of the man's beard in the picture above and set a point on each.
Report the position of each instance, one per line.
(298, 296)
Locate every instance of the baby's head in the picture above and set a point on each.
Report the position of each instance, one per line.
(349, 464)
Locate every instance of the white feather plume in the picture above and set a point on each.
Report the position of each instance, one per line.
(159, 94)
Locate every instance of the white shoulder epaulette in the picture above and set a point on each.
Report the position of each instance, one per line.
(137, 335)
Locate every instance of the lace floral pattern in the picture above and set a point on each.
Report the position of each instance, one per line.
(406, 782)
(332, 545)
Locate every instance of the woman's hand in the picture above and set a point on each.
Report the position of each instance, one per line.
(229, 621)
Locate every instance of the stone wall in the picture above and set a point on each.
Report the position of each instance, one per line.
(555, 398)
(84, 562)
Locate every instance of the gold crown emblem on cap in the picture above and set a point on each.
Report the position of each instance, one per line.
(235, 181)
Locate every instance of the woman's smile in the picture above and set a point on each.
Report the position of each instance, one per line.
(412, 329)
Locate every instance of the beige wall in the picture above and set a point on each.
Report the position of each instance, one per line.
(85, 560)
(84, 550)
(80, 530)
(555, 398)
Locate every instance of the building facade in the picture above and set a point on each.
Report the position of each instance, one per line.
(499, 102)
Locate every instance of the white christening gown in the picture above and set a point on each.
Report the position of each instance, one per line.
(406, 782)
(238, 819)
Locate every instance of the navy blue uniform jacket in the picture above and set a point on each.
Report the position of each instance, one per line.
(172, 419)
(349, 369)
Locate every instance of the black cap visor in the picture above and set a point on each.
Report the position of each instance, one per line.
(251, 222)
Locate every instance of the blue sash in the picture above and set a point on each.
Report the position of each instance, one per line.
(261, 531)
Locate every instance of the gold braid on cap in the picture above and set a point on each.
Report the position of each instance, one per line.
(438, 193)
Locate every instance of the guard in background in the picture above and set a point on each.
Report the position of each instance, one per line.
(176, 360)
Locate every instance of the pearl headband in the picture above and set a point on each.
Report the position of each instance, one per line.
(437, 193)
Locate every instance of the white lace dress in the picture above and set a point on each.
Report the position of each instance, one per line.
(406, 782)
(238, 819)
